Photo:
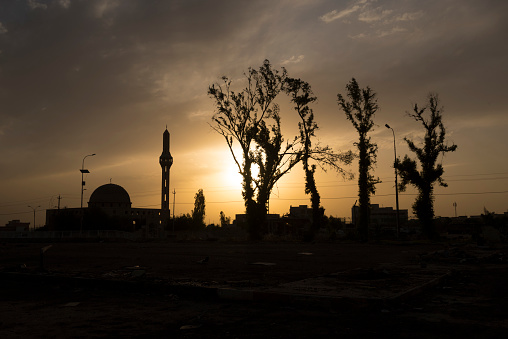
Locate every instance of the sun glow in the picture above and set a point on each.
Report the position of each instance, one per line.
(231, 178)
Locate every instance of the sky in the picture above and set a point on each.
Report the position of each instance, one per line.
(79, 77)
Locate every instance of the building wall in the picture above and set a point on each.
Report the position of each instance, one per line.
(382, 216)
(146, 216)
(138, 217)
(15, 226)
(301, 211)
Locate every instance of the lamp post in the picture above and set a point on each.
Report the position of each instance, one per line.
(34, 209)
(83, 171)
(396, 184)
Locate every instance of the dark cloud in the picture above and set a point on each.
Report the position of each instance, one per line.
(97, 56)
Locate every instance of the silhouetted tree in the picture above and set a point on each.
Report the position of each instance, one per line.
(251, 119)
(301, 96)
(224, 221)
(334, 226)
(427, 155)
(488, 217)
(183, 222)
(360, 110)
(198, 214)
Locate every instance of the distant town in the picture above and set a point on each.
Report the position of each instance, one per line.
(109, 214)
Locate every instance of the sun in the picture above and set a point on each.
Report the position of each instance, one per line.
(228, 172)
(231, 177)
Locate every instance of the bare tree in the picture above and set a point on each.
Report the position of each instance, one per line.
(427, 155)
(360, 110)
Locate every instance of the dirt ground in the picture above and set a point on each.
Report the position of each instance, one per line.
(471, 301)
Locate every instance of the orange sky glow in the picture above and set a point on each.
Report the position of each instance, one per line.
(106, 77)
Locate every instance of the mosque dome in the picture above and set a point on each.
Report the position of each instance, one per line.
(110, 194)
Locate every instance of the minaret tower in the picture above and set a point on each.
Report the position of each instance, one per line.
(165, 160)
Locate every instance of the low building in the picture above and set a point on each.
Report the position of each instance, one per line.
(300, 212)
(109, 207)
(381, 217)
(15, 226)
(241, 219)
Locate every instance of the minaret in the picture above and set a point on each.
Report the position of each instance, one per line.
(165, 160)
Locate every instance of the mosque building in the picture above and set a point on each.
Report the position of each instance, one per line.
(110, 207)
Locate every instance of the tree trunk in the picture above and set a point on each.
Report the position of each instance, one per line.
(363, 194)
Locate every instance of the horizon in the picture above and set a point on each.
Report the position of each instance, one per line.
(82, 77)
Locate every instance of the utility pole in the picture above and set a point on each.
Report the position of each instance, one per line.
(455, 205)
(396, 184)
(58, 210)
(34, 209)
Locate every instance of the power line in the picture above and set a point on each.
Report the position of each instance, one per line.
(472, 193)
(479, 179)
(340, 198)
(33, 200)
(307, 198)
(392, 194)
(477, 174)
(284, 186)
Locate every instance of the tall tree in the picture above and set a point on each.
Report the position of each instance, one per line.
(430, 171)
(198, 214)
(250, 118)
(360, 107)
(302, 96)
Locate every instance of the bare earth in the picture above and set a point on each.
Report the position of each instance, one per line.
(167, 289)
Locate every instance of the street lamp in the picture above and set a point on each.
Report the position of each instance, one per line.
(83, 171)
(34, 209)
(396, 187)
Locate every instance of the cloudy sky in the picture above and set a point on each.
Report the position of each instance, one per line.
(106, 77)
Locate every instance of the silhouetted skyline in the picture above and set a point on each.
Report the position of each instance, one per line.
(83, 77)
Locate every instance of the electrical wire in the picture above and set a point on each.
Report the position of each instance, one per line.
(280, 186)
